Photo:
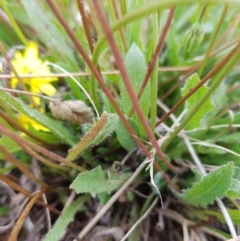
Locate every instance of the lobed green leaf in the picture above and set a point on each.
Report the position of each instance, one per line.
(97, 181)
(66, 217)
(234, 190)
(212, 186)
(111, 125)
(95, 134)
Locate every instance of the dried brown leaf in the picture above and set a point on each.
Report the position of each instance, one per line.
(75, 111)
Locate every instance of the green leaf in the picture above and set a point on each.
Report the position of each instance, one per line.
(136, 66)
(212, 186)
(134, 216)
(172, 53)
(191, 102)
(44, 26)
(229, 138)
(66, 217)
(104, 197)
(4, 209)
(48, 136)
(108, 129)
(13, 147)
(209, 150)
(123, 136)
(9, 144)
(236, 173)
(97, 181)
(107, 106)
(234, 190)
(96, 133)
(54, 126)
(234, 214)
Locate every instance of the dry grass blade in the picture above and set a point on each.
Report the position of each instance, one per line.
(24, 214)
(42, 150)
(20, 128)
(97, 76)
(10, 158)
(104, 52)
(187, 223)
(140, 219)
(18, 188)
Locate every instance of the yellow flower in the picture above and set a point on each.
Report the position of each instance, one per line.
(29, 63)
(26, 121)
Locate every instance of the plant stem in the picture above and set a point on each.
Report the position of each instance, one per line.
(123, 6)
(214, 36)
(202, 82)
(140, 13)
(14, 23)
(154, 76)
(124, 41)
(155, 54)
(216, 82)
(97, 75)
(128, 85)
(85, 24)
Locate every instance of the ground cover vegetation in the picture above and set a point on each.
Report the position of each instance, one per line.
(119, 120)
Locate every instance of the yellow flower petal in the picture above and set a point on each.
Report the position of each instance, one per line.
(30, 63)
(31, 52)
(34, 89)
(48, 89)
(14, 82)
(18, 58)
(26, 121)
(36, 100)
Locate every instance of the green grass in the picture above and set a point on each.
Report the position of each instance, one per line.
(162, 77)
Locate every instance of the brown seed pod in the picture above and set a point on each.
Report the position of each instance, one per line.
(75, 111)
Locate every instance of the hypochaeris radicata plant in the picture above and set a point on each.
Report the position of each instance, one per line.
(119, 120)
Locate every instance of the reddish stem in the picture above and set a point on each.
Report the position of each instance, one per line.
(43, 151)
(85, 24)
(96, 75)
(156, 54)
(124, 41)
(12, 159)
(18, 188)
(202, 82)
(128, 84)
(19, 127)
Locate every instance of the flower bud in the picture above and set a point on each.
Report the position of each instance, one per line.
(194, 37)
(75, 111)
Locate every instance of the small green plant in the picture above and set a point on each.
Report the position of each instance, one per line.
(122, 102)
